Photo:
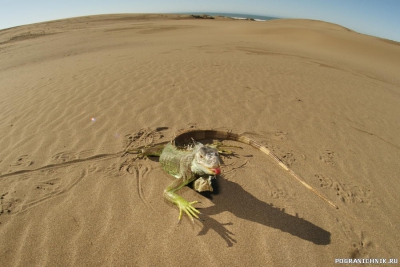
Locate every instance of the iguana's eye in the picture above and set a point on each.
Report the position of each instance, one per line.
(201, 156)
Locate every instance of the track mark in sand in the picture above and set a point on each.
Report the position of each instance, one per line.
(52, 190)
(328, 157)
(274, 191)
(139, 172)
(360, 245)
(288, 158)
(233, 163)
(191, 125)
(6, 204)
(107, 171)
(22, 161)
(144, 137)
(23, 189)
(230, 167)
(348, 193)
(63, 157)
(68, 156)
(63, 164)
(24, 192)
(27, 190)
(280, 135)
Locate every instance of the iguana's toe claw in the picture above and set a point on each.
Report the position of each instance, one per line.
(188, 209)
(219, 145)
(226, 152)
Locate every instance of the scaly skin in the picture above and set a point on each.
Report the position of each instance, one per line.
(177, 163)
(201, 161)
(186, 165)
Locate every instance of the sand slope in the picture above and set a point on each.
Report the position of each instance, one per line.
(74, 93)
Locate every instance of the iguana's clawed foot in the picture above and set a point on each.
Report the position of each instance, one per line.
(218, 146)
(145, 151)
(187, 207)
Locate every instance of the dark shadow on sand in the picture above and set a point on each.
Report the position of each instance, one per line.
(229, 196)
(233, 198)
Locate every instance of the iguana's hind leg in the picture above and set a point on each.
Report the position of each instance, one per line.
(144, 152)
(218, 145)
(183, 205)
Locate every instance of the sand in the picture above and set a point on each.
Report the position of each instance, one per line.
(74, 93)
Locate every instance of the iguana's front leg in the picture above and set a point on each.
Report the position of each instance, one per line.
(184, 177)
(183, 205)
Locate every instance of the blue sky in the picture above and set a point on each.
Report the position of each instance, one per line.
(374, 17)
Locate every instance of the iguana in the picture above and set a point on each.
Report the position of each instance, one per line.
(201, 163)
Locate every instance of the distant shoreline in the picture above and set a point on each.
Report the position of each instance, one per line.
(233, 15)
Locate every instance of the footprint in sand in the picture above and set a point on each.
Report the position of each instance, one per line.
(63, 157)
(328, 157)
(139, 172)
(5, 204)
(359, 244)
(288, 158)
(360, 247)
(22, 161)
(66, 156)
(348, 193)
(144, 137)
(24, 191)
(275, 191)
(280, 135)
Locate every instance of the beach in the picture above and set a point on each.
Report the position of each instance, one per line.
(75, 93)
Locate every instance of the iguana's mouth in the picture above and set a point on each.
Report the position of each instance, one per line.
(216, 171)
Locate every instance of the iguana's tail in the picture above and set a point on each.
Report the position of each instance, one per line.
(186, 136)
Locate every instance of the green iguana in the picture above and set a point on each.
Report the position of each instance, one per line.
(200, 163)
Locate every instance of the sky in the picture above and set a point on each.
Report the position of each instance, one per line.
(373, 17)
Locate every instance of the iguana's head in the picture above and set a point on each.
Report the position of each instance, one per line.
(206, 160)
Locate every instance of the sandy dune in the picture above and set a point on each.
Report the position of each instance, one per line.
(74, 93)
